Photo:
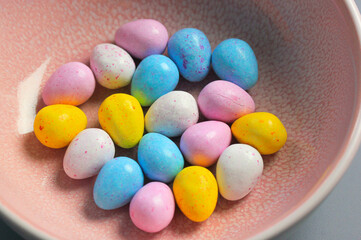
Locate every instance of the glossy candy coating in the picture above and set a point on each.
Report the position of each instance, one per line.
(55, 126)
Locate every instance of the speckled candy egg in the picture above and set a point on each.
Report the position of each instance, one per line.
(204, 142)
(152, 207)
(238, 170)
(117, 182)
(87, 153)
(224, 101)
(113, 67)
(155, 76)
(73, 83)
(142, 38)
(196, 192)
(121, 116)
(159, 157)
(262, 130)
(172, 114)
(55, 126)
(234, 60)
(191, 51)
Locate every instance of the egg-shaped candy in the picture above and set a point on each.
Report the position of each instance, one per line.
(204, 142)
(262, 130)
(172, 114)
(224, 101)
(142, 38)
(159, 157)
(234, 60)
(55, 126)
(191, 51)
(121, 116)
(238, 170)
(113, 67)
(72, 83)
(152, 207)
(196, 192)
(87, 153)
(155, 76)
(118, 181)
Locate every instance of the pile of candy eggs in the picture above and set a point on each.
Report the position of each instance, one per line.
(227, 106)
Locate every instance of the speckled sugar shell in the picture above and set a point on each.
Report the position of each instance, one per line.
(238, 170)
(113, 67)
(172, 114)
(87, 153)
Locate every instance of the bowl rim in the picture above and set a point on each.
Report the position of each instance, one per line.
(320, 191)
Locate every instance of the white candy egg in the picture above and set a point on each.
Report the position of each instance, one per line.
(113, 67)
(239, 168)
(172, 114)
(87, 153)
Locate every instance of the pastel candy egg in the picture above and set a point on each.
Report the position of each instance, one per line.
(224, 101)
(159, 157)
(172, 114)
(155, 76)
(87, 153)
(191, 51)
(142, 38)
(152, 207)
(196, 192)
(55, 126)
(72, 83)
(238, 170)
(117, 182)
(121, 116)
(204, 142)
(234, 60)
(112, 66)
(262, 130)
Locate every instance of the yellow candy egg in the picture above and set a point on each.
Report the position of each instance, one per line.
(196, 192)
(55, 126)
(262, 130)
(121, 116)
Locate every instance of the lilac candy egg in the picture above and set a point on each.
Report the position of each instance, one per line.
(152, 207)
(87, 153)
(224, 101)
(172, 114)
(72, 83)
(239, 168)
(142, 38)
(203, 143)
(113, 67)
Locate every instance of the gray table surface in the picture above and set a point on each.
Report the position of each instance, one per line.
(338, 217)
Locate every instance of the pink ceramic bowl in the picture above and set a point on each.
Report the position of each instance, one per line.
(309, 61)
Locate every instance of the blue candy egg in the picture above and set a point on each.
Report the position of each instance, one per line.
(234, 60)
(117, 182)
(159, 157)
(189, 48)
(155, 76)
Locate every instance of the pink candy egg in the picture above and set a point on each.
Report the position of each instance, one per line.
(72, 83)
(152, 207)
(113, 67)
(224, 101)
(142, 37)
(202, 143)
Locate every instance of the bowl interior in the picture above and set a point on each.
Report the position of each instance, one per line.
(307, 78)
